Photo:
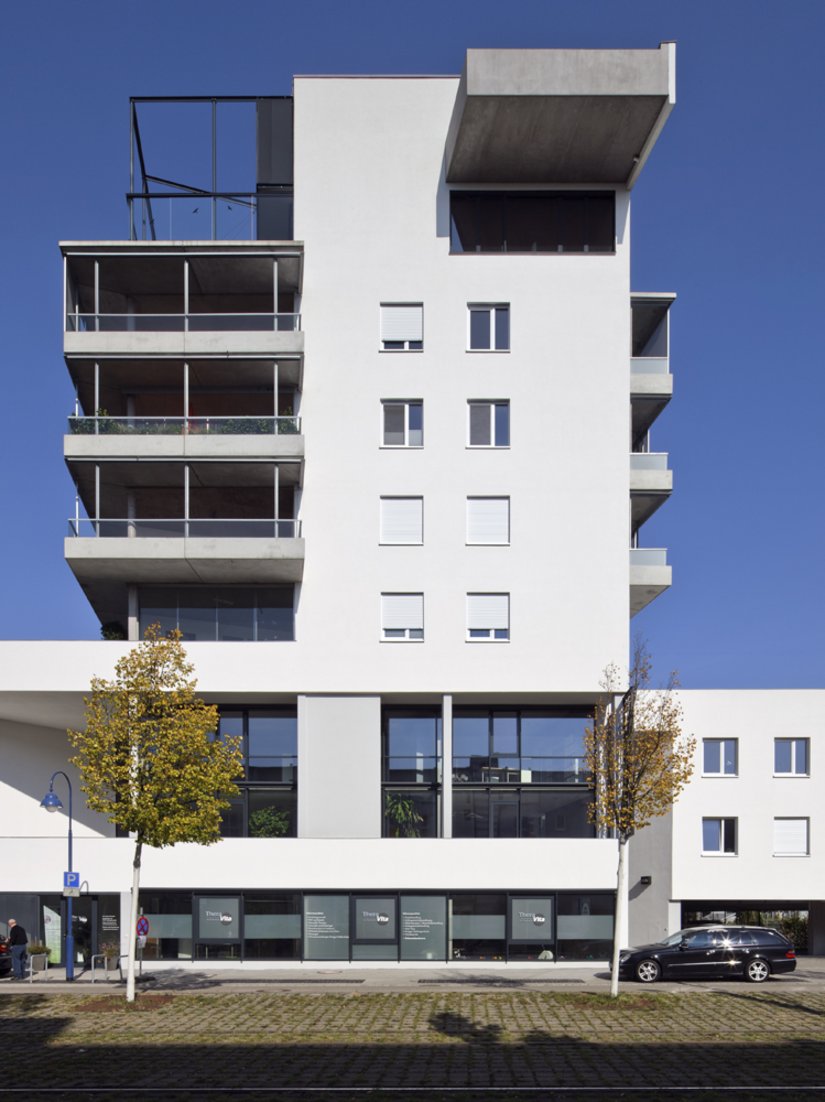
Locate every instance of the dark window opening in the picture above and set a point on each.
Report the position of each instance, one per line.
(532, 222)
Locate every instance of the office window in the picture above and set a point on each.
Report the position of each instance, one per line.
(402, 616)
(489, 328)
(266, 805)
(719, 836)
(720, 757)
(791, 757)
(402, 327)
(488, 520)
(488, 616)
(489, 424)
(402, 520)
(411, 751)
(402, 424)
(790, 837)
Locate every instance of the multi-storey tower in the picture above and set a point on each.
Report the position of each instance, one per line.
(384, 464)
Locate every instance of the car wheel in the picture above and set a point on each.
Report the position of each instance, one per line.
(757, 971)
(648, 971)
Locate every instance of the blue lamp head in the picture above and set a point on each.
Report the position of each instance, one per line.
(51, 801)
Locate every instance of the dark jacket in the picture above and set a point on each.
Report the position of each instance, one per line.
(18, 936)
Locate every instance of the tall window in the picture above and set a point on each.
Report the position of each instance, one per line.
(411, 772)
(402, 617)
(488, 424)
(402, 424)
(720, 757)
(402, 327)
(520, 773)
(791, 757)
(488, 328)
(267, 804)
(719, 836)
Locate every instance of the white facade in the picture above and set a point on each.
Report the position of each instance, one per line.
(403, 459)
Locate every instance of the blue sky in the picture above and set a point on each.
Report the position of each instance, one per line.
(727, 214)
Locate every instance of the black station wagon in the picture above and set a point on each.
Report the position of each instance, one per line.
(710, 952)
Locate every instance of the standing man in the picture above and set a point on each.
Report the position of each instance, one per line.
(18, 942)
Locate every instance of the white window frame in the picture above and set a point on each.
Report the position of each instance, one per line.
(806, 852)
(490, 309)
(407, 520)
(721, 851)
(399, 634)
(793, 740)
(722, 772)
(491, 403)
(486, 634)
(498, 498)
(385, 322)
(407, 403)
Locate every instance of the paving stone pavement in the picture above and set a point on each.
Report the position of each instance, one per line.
(320, 1044)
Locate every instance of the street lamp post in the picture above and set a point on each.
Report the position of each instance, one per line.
(51, 802)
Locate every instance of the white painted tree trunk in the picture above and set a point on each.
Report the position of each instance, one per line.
(132, 931)
(619, 919)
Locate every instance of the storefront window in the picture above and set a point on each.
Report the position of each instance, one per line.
(478, 927)
(272, 926)
(585, 926)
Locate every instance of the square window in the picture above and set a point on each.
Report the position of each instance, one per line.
(719, 836)
(720, 757)
(402, 617)
(401, 520)
(489, 328)
(488, 617)
(402, 424)
(791, 837)
(488, 520)
(489, 424)
(402, 327)
(791, 757)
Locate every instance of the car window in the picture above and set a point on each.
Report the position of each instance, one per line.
(743, 937)
(703, 939)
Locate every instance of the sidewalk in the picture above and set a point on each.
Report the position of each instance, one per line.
(810, 973)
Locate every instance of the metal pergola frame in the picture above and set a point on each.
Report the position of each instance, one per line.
(147, 193)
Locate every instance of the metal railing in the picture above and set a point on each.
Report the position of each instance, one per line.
(648, 556)
(180, 528)
(648, 461)
(180, 426)
(182, 323)
(649, 365)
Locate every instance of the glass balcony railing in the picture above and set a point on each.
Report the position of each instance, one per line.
(648, 461)
(183, 323)
(181, 426)
(649, 365)
(528, 769)
(178, 528)
(648, 556)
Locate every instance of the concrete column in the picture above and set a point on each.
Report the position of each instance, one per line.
(185, 295)
(275, 391)
(186, 388)
(186, 499)
(275, 293)
(97, 498)
(133, 622)
(97, 295)
(97, 395)
(447, 767)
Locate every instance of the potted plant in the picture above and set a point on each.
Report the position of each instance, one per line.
(38, 951)
(268, 822)
(403, 816)
(111, 952)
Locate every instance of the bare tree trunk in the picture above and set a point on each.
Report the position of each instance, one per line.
(132, 931)
(619, 919)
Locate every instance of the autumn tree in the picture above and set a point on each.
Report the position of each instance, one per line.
(149, 759)
(638, 760)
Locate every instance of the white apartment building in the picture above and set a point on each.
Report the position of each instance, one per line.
(386, 465)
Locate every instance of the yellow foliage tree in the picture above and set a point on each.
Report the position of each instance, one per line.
(148, 756)
(639, 761)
